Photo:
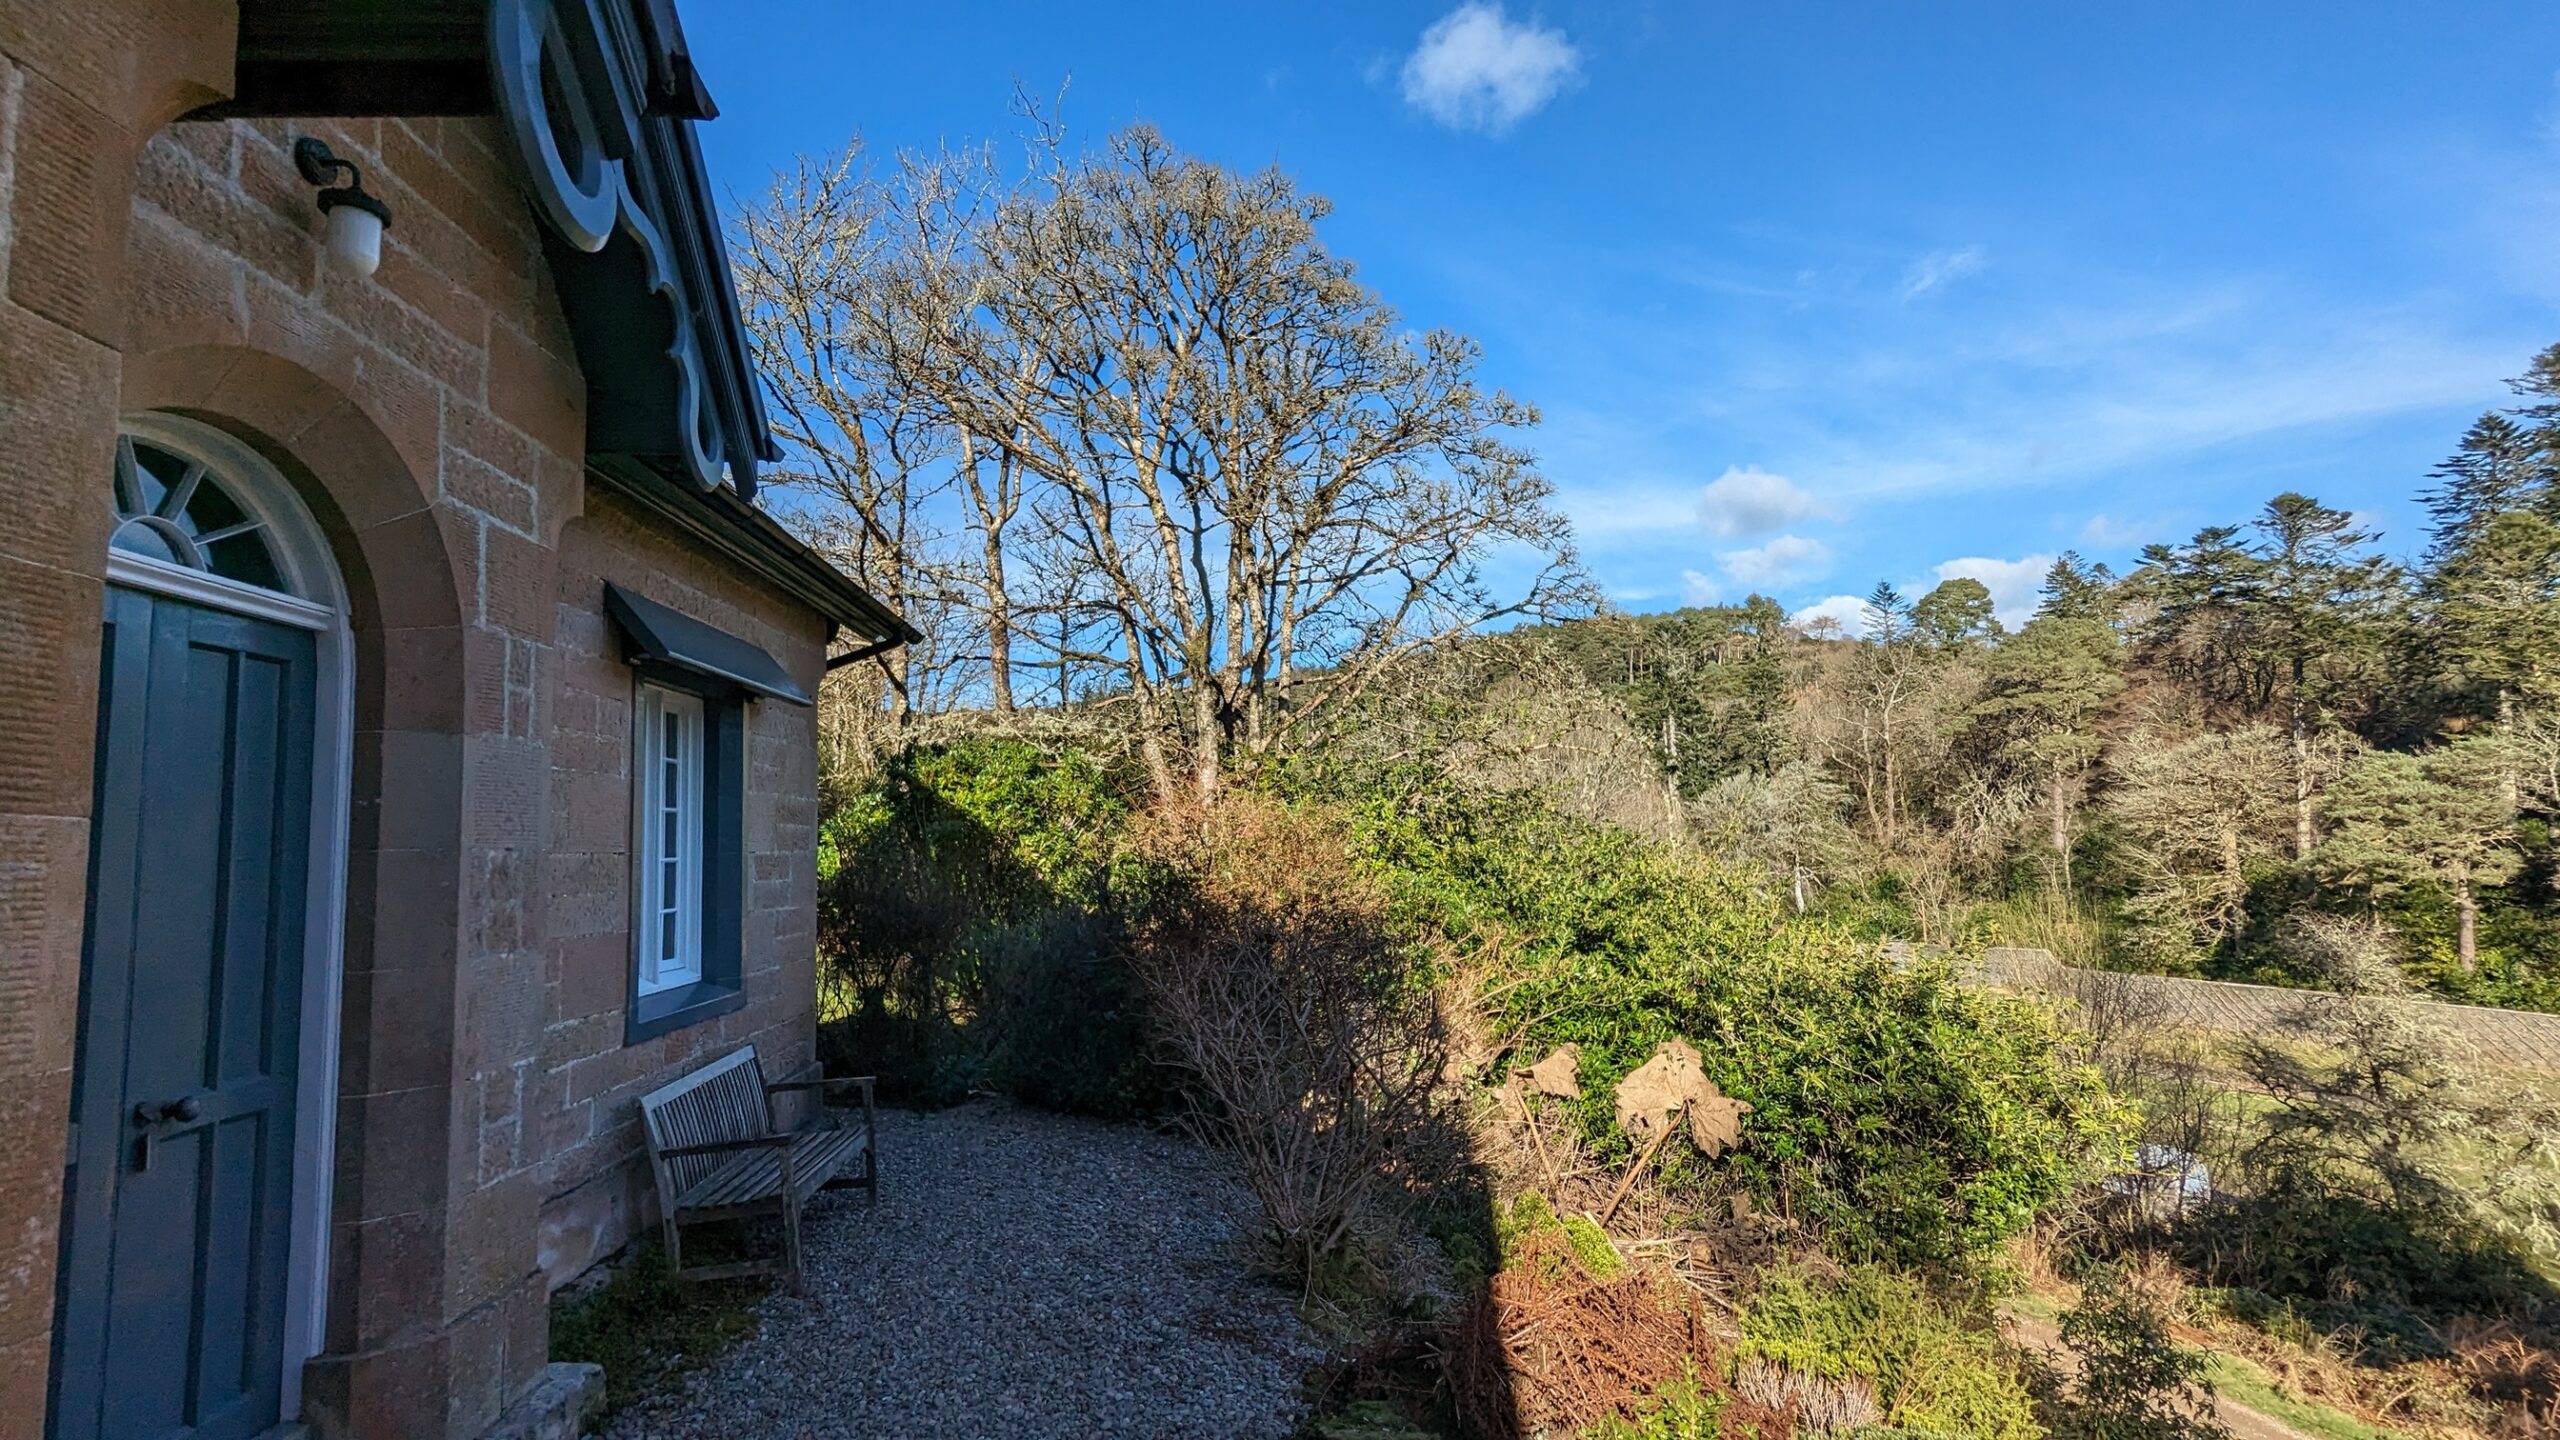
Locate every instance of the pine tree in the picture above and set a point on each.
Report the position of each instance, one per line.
(2493, 610)
(1957, 615)
(2499, 466)
(2075, 589)
(2402, 820)
(2047, 686)
(1885, 686)
(2489, 598)
(2323, 603)
(1887, 615)
(2197, 606)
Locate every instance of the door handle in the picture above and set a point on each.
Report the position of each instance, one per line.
(185, 1110)
(160, 1122)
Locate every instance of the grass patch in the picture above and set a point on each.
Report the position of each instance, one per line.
(2244, 1383)
(647, 1329)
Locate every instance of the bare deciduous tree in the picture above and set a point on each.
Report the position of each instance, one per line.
(1136, 385)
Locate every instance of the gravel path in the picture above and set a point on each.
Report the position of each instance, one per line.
(1025, 1275)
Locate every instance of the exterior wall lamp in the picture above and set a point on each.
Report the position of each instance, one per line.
(355, 218)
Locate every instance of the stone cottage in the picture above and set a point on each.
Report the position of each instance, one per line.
(415, 762)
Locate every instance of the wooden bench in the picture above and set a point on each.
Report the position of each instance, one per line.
(720, 1155)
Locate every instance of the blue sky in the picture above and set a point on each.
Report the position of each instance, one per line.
(1817, 294)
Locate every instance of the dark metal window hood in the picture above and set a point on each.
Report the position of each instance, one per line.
(662, 639)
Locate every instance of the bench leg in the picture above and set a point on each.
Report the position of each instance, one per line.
(791, 1245)
(675, 1244)
(870, 1147)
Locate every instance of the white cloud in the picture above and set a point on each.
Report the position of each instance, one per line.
(2114, 534)
(1477, 70)
(1782, 564)
(2013, 583)
(1848, 612)
(2163, 399)
(1939, 268)
(1746, 501)
(1700, 587)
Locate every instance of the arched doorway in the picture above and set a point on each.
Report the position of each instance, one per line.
(195, 1207)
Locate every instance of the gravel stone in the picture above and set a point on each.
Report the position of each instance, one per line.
(1025, 1275)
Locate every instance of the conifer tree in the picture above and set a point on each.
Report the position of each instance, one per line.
(2498, 467)
(2323, 601)
(2075, 589)
(2047, 686)
(2439, 818)
(1957, 615)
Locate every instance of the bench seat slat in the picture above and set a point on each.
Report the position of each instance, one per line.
(816, 1158)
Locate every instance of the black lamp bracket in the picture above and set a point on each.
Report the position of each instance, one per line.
(320, 165)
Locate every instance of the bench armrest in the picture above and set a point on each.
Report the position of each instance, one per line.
(822, 1083)
(830, 1116)
(724, 1147)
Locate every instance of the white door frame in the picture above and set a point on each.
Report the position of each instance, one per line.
(319, 605)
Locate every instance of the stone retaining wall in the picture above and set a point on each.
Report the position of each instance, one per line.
(2510, 1037)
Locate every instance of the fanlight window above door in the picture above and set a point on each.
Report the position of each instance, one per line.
(171, 507)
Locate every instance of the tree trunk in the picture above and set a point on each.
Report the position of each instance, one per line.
(2301, 725)
(2062, 826)
(2509, 771)
(1208, 739)
(1892, 791)
(2466, 908)
(999, 632)
(2235, 884)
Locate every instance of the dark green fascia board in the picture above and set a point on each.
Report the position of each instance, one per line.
(739, 532)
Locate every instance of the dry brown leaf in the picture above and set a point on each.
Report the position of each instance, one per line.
(1556, 1075)
(1675, 1077)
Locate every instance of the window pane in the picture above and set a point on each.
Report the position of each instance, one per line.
(668, 832)
(154, 471)
(210, 508)
(143, 538)
(244, 558)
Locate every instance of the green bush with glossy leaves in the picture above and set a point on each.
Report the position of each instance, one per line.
(1908, 1116)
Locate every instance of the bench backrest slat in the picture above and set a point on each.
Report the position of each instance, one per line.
(723, 1100)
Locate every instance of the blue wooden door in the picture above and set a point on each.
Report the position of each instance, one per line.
(177, 1201)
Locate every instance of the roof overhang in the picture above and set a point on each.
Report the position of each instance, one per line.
(599, 99)
(724, 525)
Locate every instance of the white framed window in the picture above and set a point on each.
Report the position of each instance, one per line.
(669, 835)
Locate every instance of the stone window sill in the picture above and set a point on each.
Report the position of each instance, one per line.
(671, 1010)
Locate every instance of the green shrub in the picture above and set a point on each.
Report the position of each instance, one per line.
(2133, 1381)
(967, 929)
(1933, 1366)
(1911, 1117)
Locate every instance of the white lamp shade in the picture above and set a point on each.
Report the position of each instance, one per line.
(355, 239)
